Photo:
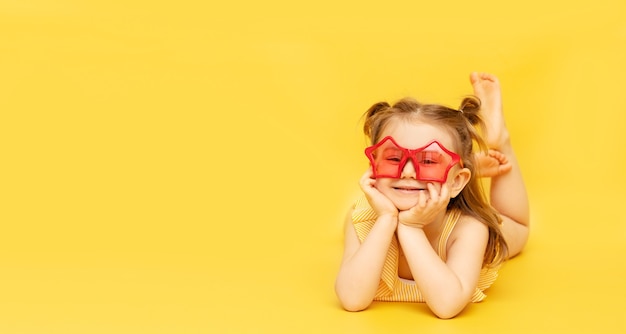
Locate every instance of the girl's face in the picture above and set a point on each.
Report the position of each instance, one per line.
(404, 192)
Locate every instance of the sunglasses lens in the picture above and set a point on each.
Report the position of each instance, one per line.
(387, 158)
(433, 163)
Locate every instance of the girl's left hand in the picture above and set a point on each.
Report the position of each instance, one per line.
(428, 207)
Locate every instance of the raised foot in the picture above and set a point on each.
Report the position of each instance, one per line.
(487, 89)
(492, 164)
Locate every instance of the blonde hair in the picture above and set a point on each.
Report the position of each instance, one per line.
(462, 125)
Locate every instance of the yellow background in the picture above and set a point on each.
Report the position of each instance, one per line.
(184, 166)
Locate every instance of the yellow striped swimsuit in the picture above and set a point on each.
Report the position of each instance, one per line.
(393, 288)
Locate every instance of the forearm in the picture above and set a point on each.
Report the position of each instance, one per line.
(359, 275)
(442, 290)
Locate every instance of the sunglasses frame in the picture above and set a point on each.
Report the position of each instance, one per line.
(411, 154)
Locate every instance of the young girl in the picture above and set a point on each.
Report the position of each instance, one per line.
(424, 231)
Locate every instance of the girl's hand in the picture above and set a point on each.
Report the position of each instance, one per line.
(379, 202)
(429, 206)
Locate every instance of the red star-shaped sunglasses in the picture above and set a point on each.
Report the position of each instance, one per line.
(431, 162)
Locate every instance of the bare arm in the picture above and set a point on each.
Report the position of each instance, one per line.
(447, 286)
(362, 263)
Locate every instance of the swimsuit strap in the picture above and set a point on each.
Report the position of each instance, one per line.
(450, 221)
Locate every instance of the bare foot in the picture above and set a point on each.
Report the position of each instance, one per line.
(492, 164)
(487, 89)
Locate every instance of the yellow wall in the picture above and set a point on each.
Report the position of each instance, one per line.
(184, 167)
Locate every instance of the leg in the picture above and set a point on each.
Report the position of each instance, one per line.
(507, 192)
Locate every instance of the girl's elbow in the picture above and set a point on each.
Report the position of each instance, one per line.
(448, 310)
(446, 314)
(352, 302)
(354, 305)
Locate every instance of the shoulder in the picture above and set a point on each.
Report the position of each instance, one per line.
(348, 217)
(468, 229)
(467, 245)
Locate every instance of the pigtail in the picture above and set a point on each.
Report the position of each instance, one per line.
(369, 128)
(376, 108)
(470, 106)
(470, 109)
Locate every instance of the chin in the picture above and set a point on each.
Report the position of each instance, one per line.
(404, 204)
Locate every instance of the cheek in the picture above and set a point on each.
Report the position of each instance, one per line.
(451, 176)
(382, 184)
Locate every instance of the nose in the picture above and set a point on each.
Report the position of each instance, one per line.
(408, 171)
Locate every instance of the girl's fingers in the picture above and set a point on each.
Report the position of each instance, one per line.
(367, 175)
(366, 180)
(439, 196)
(423, 199)
(432, 191)
(445, 192)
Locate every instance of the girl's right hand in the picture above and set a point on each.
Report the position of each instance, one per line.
(379, 202)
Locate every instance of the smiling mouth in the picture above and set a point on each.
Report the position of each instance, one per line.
(408, 188)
